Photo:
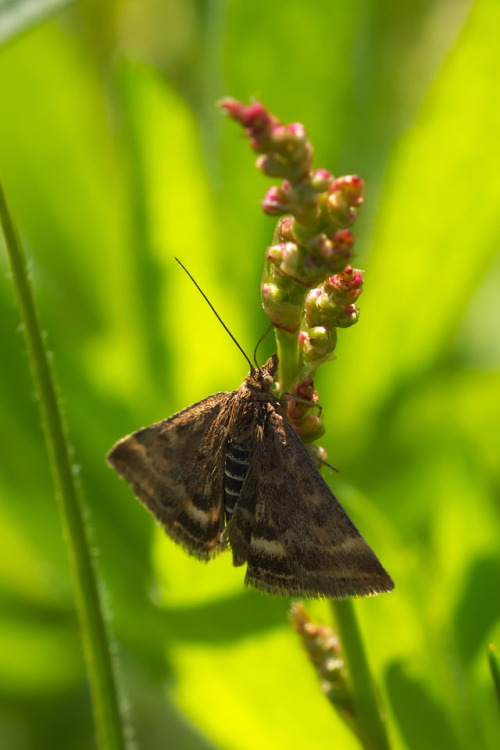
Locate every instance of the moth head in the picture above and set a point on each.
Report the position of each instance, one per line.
(264, 376)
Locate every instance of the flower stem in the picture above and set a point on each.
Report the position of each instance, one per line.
(370, 724)
(96, 644)
(288, 354)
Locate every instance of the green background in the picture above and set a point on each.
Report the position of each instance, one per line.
(115, 159)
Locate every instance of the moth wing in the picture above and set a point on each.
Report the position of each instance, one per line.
(175, 468)
(297, 538)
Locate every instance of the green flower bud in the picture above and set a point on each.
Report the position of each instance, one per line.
(347, 316)
(274, 254)
(319, 343)
(320, 308)
(281, 313)
(273, 165)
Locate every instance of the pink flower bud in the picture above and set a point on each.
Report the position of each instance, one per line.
(306, 390)
(343, 240)
(313, 296)
(284, 230)
(306, 399)
(289, 135)
(309, 427)
(275, 201)
(280, 134)
(351, 186)
(297, 131)
(256, 120)
(345, 287)
(345, 195)
(321, 180)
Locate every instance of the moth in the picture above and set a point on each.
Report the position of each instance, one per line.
(231, 472)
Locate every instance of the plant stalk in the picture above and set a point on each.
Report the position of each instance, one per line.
(96, 644)
(370, 723)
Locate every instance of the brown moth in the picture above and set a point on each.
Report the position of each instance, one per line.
(230, 471)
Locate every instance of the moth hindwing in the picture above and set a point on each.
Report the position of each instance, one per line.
(231, 471)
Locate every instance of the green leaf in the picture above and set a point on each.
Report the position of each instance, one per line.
(422, 721)
(494, 662)
(17, 16)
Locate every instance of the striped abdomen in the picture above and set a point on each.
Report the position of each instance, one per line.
(235, 471)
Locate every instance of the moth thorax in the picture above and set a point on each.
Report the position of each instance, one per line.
(235, 471)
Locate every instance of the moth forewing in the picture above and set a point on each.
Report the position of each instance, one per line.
(174, 468)
(231, 470)
(294, 535)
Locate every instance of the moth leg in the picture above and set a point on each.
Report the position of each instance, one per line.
(299, 400)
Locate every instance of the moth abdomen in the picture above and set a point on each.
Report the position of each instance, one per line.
(235, 471)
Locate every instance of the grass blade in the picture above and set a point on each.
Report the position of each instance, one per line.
(96, 643)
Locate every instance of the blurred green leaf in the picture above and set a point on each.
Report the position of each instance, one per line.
(426, 231)
(17, 16)
(421, 720)
(474, 617)
(494, 662)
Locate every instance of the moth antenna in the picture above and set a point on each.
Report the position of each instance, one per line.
(215, 312)
(259, 342)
